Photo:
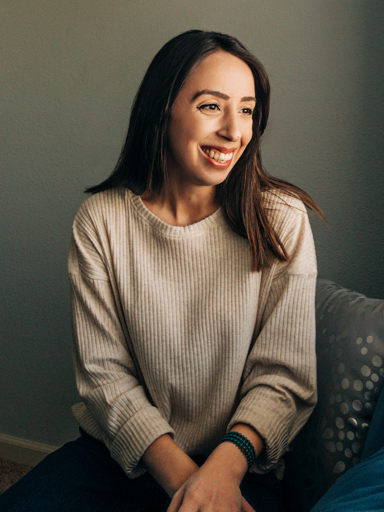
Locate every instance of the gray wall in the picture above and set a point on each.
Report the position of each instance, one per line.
(68, 74)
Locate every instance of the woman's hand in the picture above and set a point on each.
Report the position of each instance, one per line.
(246, 507)
(214, 487)
(202, 492)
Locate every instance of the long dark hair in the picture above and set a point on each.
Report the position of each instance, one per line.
(142, 165)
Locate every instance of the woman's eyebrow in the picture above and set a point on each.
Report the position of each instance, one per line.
(221, 95)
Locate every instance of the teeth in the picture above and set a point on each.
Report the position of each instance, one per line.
(219, 157)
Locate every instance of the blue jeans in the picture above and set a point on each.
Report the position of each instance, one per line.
(82, 476)
(361, 489)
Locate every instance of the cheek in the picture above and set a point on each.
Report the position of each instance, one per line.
(182, 133)
(246, 139)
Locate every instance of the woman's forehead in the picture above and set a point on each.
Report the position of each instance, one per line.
(223, 72)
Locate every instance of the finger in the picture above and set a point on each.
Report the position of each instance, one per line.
(246, 507)
(176, 501)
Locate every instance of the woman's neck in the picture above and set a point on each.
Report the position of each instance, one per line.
(182, 207)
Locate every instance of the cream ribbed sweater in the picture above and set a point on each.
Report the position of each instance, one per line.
(174, 333)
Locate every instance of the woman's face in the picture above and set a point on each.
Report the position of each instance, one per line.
(211, 121)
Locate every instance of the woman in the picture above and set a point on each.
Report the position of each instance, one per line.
(193, 275)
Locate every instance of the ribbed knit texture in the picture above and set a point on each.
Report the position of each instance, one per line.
(174, 333)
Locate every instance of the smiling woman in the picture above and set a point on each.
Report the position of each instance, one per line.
(206, 120)
(209, 129)
(192, 277)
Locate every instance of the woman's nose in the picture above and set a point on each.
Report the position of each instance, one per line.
(230, 127)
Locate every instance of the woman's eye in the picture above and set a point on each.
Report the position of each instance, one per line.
(209, 106)
(247, 111)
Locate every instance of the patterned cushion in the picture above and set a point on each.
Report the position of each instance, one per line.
(350, 351)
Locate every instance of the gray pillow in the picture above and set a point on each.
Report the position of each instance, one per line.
(350, 352)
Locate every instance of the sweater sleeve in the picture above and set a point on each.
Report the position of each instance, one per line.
(117, 409)
(278, 390)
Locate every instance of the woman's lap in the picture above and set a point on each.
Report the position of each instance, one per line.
(82, 476)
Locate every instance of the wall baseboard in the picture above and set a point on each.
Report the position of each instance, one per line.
(23, 451)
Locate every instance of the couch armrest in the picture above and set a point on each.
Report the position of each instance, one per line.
(350, 352)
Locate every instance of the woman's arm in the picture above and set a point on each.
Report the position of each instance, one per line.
(118, 410)
(278, 391)
(168, 464)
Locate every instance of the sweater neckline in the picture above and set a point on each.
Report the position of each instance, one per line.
(168, 229)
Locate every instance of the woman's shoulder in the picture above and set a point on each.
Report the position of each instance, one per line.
(103, 206)
(289, 218)
(283, 208)
(280, 200)
(95, 230)
(102, 213)
(104, 202)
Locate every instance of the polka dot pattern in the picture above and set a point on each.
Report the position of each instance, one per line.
(350, 351)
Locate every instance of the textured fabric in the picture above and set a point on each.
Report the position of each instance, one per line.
(350, 352)
(174, 333)
(82, 476)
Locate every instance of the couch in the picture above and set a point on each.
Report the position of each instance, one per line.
(350, 352)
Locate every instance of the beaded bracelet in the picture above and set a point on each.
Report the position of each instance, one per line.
(243, 443)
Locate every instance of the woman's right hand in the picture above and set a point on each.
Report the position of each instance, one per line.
(246, 507)
(208, 493)
(215, 486)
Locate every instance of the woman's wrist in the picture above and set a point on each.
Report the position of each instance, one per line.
(251, 434)
(229, 459)
(169, 465)
(243, 444)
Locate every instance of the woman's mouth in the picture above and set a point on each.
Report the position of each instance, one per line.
(217, 156)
